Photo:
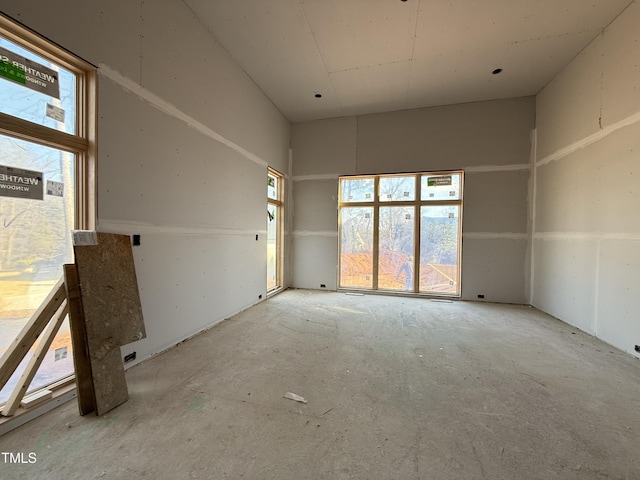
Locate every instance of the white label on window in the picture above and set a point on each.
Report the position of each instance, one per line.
(54, 112)
(60, 354)
(55, 188)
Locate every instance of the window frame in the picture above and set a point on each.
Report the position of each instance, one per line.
(279, 204)
(417, 203)
(82, 144)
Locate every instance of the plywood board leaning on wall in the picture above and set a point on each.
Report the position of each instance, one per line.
(107, 314)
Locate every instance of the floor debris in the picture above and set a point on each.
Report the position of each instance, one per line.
(293, 396)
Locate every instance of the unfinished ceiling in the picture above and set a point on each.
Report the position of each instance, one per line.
(330, 58)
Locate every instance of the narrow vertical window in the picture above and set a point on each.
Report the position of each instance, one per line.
(275, 219)
(47, 171)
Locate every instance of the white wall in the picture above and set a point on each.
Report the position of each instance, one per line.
(490, 140)
(185, 138)
(586, 250)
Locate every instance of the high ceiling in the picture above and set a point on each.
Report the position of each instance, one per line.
(366, 56)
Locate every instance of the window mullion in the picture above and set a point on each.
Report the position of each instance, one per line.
(376, 231)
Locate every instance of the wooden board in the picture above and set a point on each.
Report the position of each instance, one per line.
(81, 360)
(30, 332)
(109, 288)
(112, 313)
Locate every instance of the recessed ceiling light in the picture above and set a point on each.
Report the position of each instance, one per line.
(497, 71)
(318, 95)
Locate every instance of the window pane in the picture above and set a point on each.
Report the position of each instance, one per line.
(34, 239)
(57, 363)
(272, 246)
(356, 247)
(397, 189)
(35, 89)
(272, 187)
(356, 190)
(440, 187)
(439, 249)
(396, 242)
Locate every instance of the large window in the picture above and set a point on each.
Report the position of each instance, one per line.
(47, 165)
(401, 233)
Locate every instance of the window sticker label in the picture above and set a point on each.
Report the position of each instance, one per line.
(28, 73)
(20, 183)
(60, 354)
(11, 72)
(438, 181)
(55, 189)
(54, 112)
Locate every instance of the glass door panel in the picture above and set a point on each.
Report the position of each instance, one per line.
(36, 219)
(272, 246)
(439, 249)
(396, 246)
(356, 247)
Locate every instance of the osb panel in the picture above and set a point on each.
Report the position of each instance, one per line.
(110, 297)
(110, 385)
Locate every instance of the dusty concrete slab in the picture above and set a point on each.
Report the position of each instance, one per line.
(400, 388)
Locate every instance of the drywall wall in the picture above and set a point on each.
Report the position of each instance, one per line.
(491, 141)
(586, 249)
(184, 142)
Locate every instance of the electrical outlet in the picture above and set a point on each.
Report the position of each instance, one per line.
(131, 356)
(637, 349)
(136, 240)
(481, 295)
(259, 296)
(322, 285)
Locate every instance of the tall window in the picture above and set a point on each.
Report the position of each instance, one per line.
(47, 171)
(401, 233)
(275, 218)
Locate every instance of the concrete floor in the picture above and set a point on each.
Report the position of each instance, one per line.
(397, 388)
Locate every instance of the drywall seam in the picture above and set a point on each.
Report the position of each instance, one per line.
(596, 299)
(498, 168)
(477, 169)
(169, 109)
(495, 235)
(595, 137)
(328, 176)
(319, 233)
(127, 228)
(586, 236)
(531, 211)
